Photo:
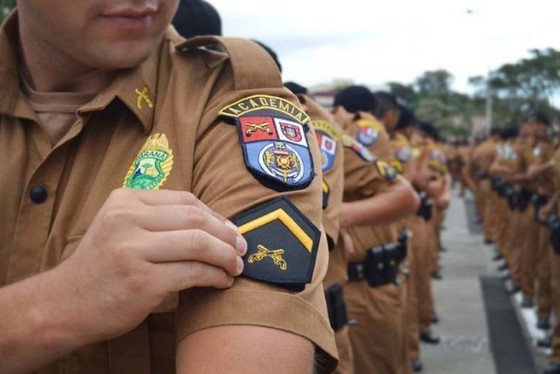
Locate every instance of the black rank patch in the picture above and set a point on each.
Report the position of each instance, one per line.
(387, 171)
(282, 244)
(273, 135)
(326, 194)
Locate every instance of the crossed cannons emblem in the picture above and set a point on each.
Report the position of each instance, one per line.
(263, 252)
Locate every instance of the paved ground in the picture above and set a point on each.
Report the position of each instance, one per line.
(465, 346)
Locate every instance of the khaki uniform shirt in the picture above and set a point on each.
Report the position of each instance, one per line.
(402, 154)
(361, 183)
(329, 135)
(542, 153)
(483, 156)
(167, 109)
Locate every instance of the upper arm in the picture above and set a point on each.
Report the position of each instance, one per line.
(244, 349)
(280, 291)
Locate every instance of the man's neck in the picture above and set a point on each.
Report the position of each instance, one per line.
(51, 71)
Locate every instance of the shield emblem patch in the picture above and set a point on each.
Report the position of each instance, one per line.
(272, 132)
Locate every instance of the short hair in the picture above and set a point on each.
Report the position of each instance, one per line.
(197, 17)
(540, 118)
(355, 99)
(386, 101)
(510, 132)
(495, 131)
(429, 129)
(296, 89)
(271, 53)
(407, 119)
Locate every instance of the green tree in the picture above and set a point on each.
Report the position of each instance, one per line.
(434, 83)
(404, 91)
(521, 87)
(5, 7)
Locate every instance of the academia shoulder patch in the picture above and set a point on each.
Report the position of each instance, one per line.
(152, 165)
(272, 132)
(403, 153)
(357, 147)
(368, 131)
(327, 136)
(386, 171)
(282, 244)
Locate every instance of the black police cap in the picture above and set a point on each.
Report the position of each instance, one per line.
(296, 89)
(429, 129)
(197, 17)
(271, 53)
(407, 118)
(355, 99)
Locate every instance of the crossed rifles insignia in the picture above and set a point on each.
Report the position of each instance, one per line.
(263, 252)
(143, 96)
(254, 127)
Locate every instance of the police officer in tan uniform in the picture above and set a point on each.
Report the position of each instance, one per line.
(419, 281)
(329, 137)
(483, 156)
(432, 164)
(550, 213)
(545, 188)
(374, 195)
(388, 110)
(99, 278)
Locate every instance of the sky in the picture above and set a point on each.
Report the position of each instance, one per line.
(373, 42)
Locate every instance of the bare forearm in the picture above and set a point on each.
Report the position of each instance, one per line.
(384, 208)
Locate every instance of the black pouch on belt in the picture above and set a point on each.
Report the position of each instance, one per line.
(392, 261)
(336, 306)
(375, 272)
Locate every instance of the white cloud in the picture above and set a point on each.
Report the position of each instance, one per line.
(380, 41)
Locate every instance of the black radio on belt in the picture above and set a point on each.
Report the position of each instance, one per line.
(425, 210)
(393, 257)
(336, 306)
(381, 265)
(538, 201)
(482, 175)
(523, 198)
(510, 196)
(403, 244)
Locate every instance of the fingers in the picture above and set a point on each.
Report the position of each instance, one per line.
(192, 245)
(349, 245)
(178, 276)
(180, 217)
(166, 210)
(168, 197)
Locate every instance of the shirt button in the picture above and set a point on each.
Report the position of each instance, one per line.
(38, 194)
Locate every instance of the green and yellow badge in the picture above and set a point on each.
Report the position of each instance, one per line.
(152, 165)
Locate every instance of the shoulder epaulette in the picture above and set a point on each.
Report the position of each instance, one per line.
(252, 66)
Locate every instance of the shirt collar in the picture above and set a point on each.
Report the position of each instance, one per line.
(136, 88)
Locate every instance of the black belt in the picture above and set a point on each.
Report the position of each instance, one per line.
(381, 265)
(482, 176)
